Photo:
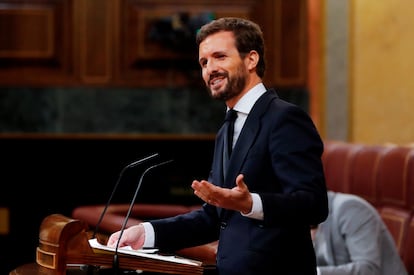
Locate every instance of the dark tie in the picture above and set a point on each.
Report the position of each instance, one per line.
(231, 116)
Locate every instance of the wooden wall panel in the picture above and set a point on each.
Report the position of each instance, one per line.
(94, 38)
(27, 33)
(290, 33)
(35, 42)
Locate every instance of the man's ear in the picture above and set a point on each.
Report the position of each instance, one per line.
(252, 58)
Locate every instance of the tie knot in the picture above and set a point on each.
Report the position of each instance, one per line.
(231, 115)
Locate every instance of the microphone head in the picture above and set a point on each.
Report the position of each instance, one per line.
(135, 163)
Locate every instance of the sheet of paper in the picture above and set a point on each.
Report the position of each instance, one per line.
(146, 253)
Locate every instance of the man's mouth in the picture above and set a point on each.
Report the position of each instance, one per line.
(216, 82)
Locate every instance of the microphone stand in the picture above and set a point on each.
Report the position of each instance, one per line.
(133, 164)
(115, 264)
(90, 270)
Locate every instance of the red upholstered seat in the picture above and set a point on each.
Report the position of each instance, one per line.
(115, 214)
(364, 172)
(336, 159)
(393, 180)
(397, 221)
(410, 181)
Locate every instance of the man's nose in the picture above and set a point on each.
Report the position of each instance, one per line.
(211, 67)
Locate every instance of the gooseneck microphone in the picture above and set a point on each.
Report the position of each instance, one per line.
(132, 164)
(116, 259)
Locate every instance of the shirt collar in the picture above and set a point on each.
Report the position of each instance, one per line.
(245, 104)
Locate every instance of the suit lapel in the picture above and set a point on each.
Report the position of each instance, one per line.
(247, 137)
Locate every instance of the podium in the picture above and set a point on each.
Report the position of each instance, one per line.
(64, 242)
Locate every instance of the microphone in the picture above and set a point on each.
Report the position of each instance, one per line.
(116, 259)
(133, 164)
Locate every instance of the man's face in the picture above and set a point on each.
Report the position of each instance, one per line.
(223, 70)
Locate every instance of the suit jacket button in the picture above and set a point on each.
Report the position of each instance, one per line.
(223, 225)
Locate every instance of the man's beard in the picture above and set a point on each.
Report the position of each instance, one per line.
(234, 86)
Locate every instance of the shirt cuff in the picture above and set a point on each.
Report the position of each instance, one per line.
(257, 208)
(149, 235)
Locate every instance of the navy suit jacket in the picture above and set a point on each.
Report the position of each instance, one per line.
(279, 152)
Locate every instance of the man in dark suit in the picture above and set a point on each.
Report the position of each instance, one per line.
(261, 200)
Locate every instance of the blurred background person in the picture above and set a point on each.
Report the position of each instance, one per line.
(354, 240)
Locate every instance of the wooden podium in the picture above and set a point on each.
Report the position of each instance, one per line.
(64, 242)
